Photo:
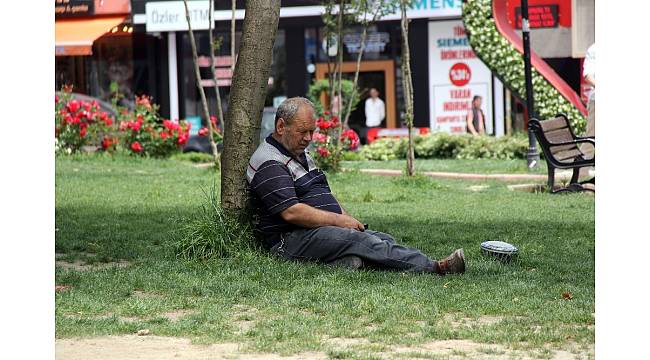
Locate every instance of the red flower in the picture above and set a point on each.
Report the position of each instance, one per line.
(182, 139)
(170, 125)
(135, 146)
(323, 151)
(213, 120)
(323, 124)
(67, 119)
(318, 137)
(56, 98)
(106, 143)
(86, 106)
(326, 113)
(124, 125)
(203, 131)
(136, 125)
(82, 132)
(139, 118)
(143, 100)
(73, 106)
(164, 135)
(350, 137)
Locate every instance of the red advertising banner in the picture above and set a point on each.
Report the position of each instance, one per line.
(539, 16)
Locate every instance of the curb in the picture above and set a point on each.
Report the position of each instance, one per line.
(468, 176)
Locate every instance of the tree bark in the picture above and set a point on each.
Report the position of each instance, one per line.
(407, 83)
(232, 35)
(213, 145)
(248, 91)
(197, 73)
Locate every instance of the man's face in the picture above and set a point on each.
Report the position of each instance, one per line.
(297, 135)
(477, 103)
(374, 93)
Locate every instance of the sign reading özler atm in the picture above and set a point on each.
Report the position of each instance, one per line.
(170, 15)
(456, 75)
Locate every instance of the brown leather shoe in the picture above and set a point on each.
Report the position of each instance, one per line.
(453, 264)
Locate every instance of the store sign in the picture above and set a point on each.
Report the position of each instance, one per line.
(456, 75)
(72, 8)
(429, 9)
(375, 42)
(170, 15)
(539, 16)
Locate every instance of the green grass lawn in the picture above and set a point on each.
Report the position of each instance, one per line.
(479, 166)
(124, 209)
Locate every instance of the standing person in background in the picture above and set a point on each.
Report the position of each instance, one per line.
(476, 118)
(375, 110)
(375, 113)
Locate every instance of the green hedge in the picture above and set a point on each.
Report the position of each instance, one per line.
(446, 146)
(505, 61)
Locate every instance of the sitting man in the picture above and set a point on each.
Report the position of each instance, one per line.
(299, 217)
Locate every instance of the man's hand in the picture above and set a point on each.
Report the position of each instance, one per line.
(348, 221)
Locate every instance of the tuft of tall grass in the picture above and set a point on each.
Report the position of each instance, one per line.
(210, 233)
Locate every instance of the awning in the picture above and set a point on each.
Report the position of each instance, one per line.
(76, 36)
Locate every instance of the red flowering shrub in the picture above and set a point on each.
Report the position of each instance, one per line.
(216, 133)
(327, 152)
(145, 132)
(79, 123)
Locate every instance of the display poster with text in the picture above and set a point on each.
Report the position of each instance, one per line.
(456, 75)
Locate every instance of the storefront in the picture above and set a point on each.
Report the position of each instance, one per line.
(93, 46)
(300, 57)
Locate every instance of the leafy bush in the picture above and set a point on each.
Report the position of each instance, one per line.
(145, 132)
(440, 145)
(503, 59)
(79, 123)
(211, 234)
(351, 156)
(384, 149)
(195, 157)
(447, 146)
(327, 150)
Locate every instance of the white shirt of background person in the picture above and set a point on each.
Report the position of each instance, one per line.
(589, 70)
(375, 109)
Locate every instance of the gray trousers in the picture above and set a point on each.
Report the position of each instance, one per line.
(329, 243)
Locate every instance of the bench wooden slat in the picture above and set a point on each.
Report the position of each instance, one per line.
(559, 136)
(553, 124)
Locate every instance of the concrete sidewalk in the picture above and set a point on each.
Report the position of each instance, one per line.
(560, 175)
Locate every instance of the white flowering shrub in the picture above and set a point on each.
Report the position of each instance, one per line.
(504, 60)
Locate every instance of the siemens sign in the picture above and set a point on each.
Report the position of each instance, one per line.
(431, 9)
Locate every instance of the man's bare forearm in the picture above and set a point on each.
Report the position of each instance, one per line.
(310, 217)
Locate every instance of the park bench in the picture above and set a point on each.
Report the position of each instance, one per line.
(563, 150)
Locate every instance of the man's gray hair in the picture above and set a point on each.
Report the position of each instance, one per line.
(289, 107)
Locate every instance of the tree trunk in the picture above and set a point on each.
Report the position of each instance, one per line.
(348, 107)
(248, 91)
(213, 145)
(339, 81)
(407, 83)
(197, 73)
(232, 36)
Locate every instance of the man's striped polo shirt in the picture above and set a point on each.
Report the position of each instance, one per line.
(279, 180)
